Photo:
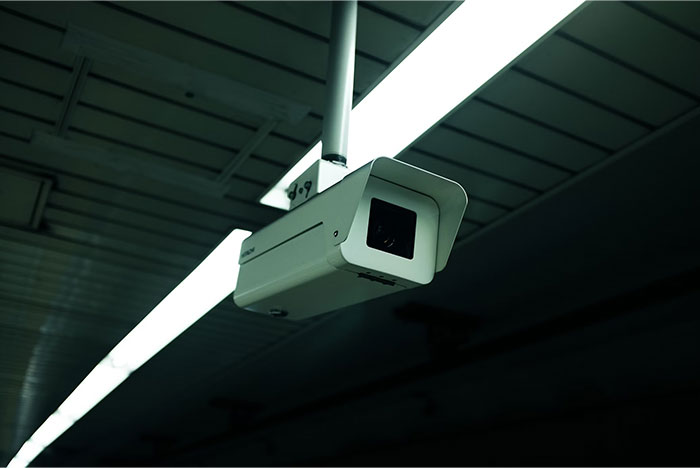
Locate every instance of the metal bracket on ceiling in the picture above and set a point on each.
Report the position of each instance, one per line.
(90, 46)
(332, 166)
(192, 80)
(242, 156)
(81, 68)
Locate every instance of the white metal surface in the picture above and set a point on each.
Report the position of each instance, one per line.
(297, 257)
(339, 80)
(318, 177)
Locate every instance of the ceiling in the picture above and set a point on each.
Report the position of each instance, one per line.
(580, 164)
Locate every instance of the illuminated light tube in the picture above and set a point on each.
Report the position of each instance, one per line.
(213, 280)
(473, 44)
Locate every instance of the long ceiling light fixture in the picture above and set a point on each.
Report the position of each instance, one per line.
(471, 46)
(212, 281)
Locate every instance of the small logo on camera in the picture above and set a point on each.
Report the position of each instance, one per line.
(247, 252)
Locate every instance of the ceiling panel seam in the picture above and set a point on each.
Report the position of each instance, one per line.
(300, 30)
(610, 159)
(157, 215)
(633, 68)
(39, 299)
(160, 154)
(143, 17)
(77, 339)
(242, 337)
(99, 272)
(393, 16)
(108, 256)
(213, 171)
(26, 115)
(179, 30)
(594, 102)
(39, 284)
(492, 175)
(53, 269)
(150, 94)
(30, 18)
(212, 42)
(490, 202)
(510, 149)
(89, 299)
(94, 216)
(282, 136)
(28, 270)
(106, 292)
(544, 125)
(125, 246)
(13, 136)
(104, 248)
(179, 133)
(663, 20)
(54, 256)
(134, 209)
(175, 203)
(29, 55)
(31, 88)
(474, 222)
(198, 110)
(143, 149)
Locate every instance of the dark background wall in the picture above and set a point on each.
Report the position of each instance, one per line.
(565, 336)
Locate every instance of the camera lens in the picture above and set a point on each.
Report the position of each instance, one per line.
(384, 236)
(391, 228)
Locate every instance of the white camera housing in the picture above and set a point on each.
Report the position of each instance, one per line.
(352, 242)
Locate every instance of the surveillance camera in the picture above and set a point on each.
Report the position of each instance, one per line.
(384, 228)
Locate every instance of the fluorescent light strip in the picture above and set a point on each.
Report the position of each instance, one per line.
(474, 43)
(209, 283)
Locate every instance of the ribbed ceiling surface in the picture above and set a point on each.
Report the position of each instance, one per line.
(112, 243)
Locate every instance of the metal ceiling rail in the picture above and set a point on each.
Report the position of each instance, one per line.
(200, 83)
(80, 71)
(239, 159)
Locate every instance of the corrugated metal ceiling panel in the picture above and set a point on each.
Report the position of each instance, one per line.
(112, 244)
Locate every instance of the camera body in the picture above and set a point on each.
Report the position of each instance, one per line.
(384, 228)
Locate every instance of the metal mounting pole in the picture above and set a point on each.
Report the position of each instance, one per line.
(339, 81)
